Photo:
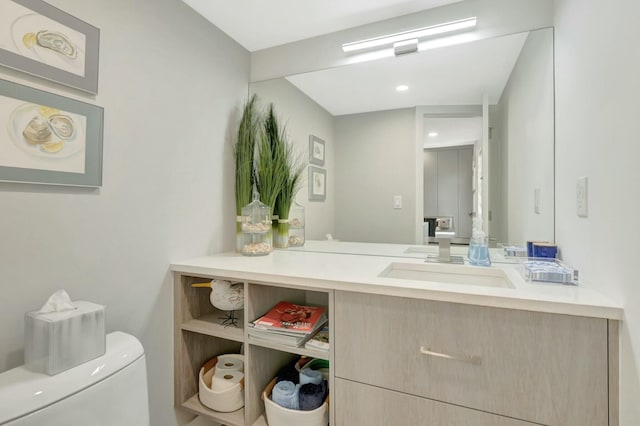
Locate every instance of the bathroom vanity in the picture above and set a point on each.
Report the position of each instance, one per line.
(411, 342)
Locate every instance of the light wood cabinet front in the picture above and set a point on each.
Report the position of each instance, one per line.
(372, 406)
(544, 368)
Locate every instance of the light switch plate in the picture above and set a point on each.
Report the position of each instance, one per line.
(581, 197)
(397, 201)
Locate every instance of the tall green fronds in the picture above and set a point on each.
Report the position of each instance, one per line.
(244, 150)
(270, 165)
(292, 181)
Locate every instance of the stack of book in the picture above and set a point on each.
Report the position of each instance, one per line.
(320, 340)
(288, 324)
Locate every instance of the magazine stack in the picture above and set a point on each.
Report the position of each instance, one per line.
(288, 324)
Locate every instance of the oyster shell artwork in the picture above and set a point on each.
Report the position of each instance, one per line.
(37, 132)
(51, 40)
(62, 125)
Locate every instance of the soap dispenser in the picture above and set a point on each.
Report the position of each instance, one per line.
(479, 246)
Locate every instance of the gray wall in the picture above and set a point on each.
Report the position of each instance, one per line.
(375, 160)
(171, 85)
(303, 117)
(597, 101)
(528, 131)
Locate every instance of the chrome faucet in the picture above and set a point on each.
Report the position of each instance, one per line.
(444, 245)
(443, 236)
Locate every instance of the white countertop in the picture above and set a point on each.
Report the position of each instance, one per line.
(360, 273)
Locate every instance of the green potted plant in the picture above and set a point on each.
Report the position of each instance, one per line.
(270, 168)
(290, 187)
(243, 151)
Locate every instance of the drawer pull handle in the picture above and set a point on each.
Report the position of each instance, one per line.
(471, 359)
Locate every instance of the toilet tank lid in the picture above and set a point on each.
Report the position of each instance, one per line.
(22, 391)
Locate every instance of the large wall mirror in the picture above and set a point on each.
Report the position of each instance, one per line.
(471, 134)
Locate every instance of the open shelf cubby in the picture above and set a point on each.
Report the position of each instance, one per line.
(199, 336)
(194, 349)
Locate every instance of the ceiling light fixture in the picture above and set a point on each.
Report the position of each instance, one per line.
(402, 88)
(462, 24)
(404, 47)
(433, 134)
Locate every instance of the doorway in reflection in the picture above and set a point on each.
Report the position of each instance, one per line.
(451, 149)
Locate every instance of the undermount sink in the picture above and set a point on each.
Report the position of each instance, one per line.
(449, 274)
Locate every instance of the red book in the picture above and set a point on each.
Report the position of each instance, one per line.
(292, 318)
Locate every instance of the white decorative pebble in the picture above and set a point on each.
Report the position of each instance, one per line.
(255, 228)
(256, 249)
(295, 241)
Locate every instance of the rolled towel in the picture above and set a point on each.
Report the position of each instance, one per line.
(285, 394)
(289, 373)
(308, 375)
(312, 396)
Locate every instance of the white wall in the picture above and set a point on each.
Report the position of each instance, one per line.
(171, 85)
(303, 117)
(597, 104)
(375, 160)
(527, 114)
(452, 131)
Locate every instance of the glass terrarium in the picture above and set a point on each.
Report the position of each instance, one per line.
(256, 229)
(296, 225)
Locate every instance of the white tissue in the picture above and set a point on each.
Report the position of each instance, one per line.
(57, 302)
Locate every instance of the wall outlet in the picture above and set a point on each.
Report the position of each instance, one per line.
(397, 201)
(581, 197)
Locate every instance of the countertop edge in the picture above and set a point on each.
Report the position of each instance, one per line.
(503, 301)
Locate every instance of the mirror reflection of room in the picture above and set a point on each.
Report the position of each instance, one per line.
(490, 103)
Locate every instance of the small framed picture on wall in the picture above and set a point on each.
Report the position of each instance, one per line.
(41, 40)
(316, 150)
(317, 184)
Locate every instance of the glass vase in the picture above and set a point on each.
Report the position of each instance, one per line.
(296, 225)
(256, 229)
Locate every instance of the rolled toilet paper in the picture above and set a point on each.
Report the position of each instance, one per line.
(308, 375)
(229, 363)
(224, 380)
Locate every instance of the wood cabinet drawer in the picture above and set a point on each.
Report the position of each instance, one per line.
(361, 404)
(543, 368)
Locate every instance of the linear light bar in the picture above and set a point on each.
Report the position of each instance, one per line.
(462, 24)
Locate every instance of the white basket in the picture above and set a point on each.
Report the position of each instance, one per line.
(280, 416)
(226, 401)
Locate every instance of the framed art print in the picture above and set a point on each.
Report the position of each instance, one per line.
(316, 150)
(46, 42)
(48, 139)
(317, 184)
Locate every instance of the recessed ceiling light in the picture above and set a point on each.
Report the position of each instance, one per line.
(433, 134)
(402, 88)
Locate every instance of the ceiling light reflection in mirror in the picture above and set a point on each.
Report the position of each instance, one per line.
(457, 75)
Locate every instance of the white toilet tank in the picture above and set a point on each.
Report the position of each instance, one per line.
(108, 391)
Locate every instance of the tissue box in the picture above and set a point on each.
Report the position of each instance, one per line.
(57, 341)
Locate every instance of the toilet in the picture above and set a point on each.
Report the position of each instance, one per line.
(107, 391)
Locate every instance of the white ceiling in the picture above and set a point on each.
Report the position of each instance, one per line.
(455, 75)
(258, 24)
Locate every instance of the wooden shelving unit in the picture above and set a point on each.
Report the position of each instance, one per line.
(235, 418)
(199, 336)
